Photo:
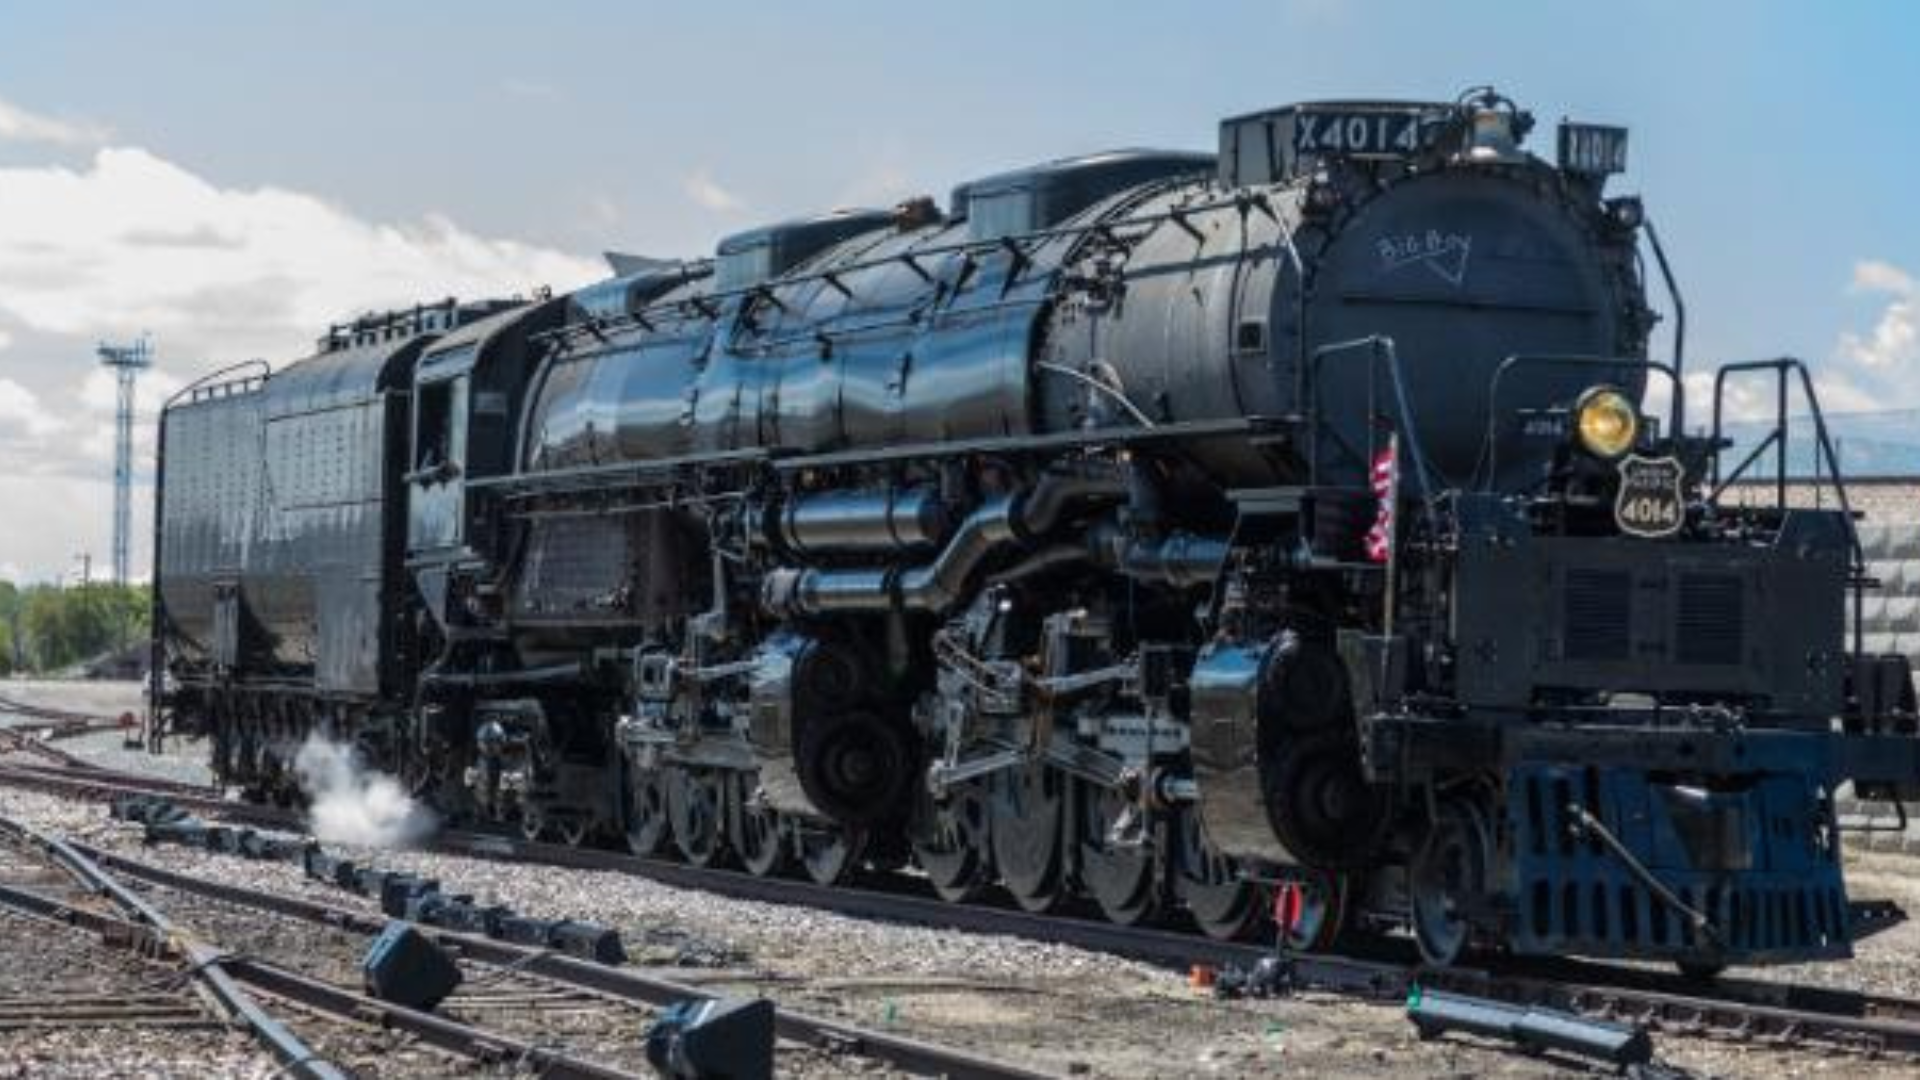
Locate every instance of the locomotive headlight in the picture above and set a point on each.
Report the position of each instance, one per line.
(1606, 422)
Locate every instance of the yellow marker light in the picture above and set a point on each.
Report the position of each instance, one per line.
(1606, 422)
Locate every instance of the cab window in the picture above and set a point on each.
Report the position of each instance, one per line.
(440, 425)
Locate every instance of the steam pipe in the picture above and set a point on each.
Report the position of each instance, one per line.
(937, 586)
(1180, 559)
(1042, 507)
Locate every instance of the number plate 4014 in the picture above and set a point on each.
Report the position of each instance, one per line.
(1651, 502)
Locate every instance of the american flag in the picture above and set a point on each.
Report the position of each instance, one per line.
(1385, 478)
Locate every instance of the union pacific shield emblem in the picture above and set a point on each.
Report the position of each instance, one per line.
(1650, 502)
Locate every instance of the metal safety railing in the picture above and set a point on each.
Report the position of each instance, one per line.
(1826, 463)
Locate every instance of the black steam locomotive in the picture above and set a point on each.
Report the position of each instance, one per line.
(1281, 529)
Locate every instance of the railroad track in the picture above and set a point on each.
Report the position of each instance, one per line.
(911, 1055)
(1738, 1010)
(45, 726)
(33, 741)
(77, 772)
(85, 990)
(68, 722)
(545, 986)
(94, 901)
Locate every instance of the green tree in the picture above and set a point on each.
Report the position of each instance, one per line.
(63, 627)
(10, 654)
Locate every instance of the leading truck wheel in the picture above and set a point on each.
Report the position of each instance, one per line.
(1319, 802)
(1446, 875)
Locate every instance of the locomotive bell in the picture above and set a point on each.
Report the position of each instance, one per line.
(1492, 138)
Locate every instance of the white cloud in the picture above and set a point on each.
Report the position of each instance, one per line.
(135, 243)
(1867, 371)
(1894, 341)
(22, 417)
(20, 125)
(69, 516)
(1876, 276)
(706, 193)
(129, 243)
(1877, 368)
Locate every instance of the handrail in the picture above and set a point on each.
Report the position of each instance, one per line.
(1679, 313)
(1823, 455)
(1381, 347)
(1245, 202)
(206, 382)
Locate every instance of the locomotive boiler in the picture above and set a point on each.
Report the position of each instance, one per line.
(1163, 528)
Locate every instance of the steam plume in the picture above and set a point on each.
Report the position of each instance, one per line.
(352, 804)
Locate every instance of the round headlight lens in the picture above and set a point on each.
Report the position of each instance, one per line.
(1606, 422)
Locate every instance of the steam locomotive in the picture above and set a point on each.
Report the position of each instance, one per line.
(1205, 535)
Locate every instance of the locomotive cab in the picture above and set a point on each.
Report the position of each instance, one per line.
(440, 416)
(467, 389)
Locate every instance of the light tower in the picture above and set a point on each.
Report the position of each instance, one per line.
(127, 361)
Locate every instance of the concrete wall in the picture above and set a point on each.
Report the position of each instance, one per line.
(1881, 500)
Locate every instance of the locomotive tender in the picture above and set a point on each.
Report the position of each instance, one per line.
(1175, 530)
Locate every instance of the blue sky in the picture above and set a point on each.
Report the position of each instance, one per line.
(262, 156)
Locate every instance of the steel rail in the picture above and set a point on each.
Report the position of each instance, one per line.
(49, 712)
(1745, 1010)
(61, 773)
(100, 782)
(448, 1034)
(30, 741)
(900, 1051)
(206, 964)
(466, 1040)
